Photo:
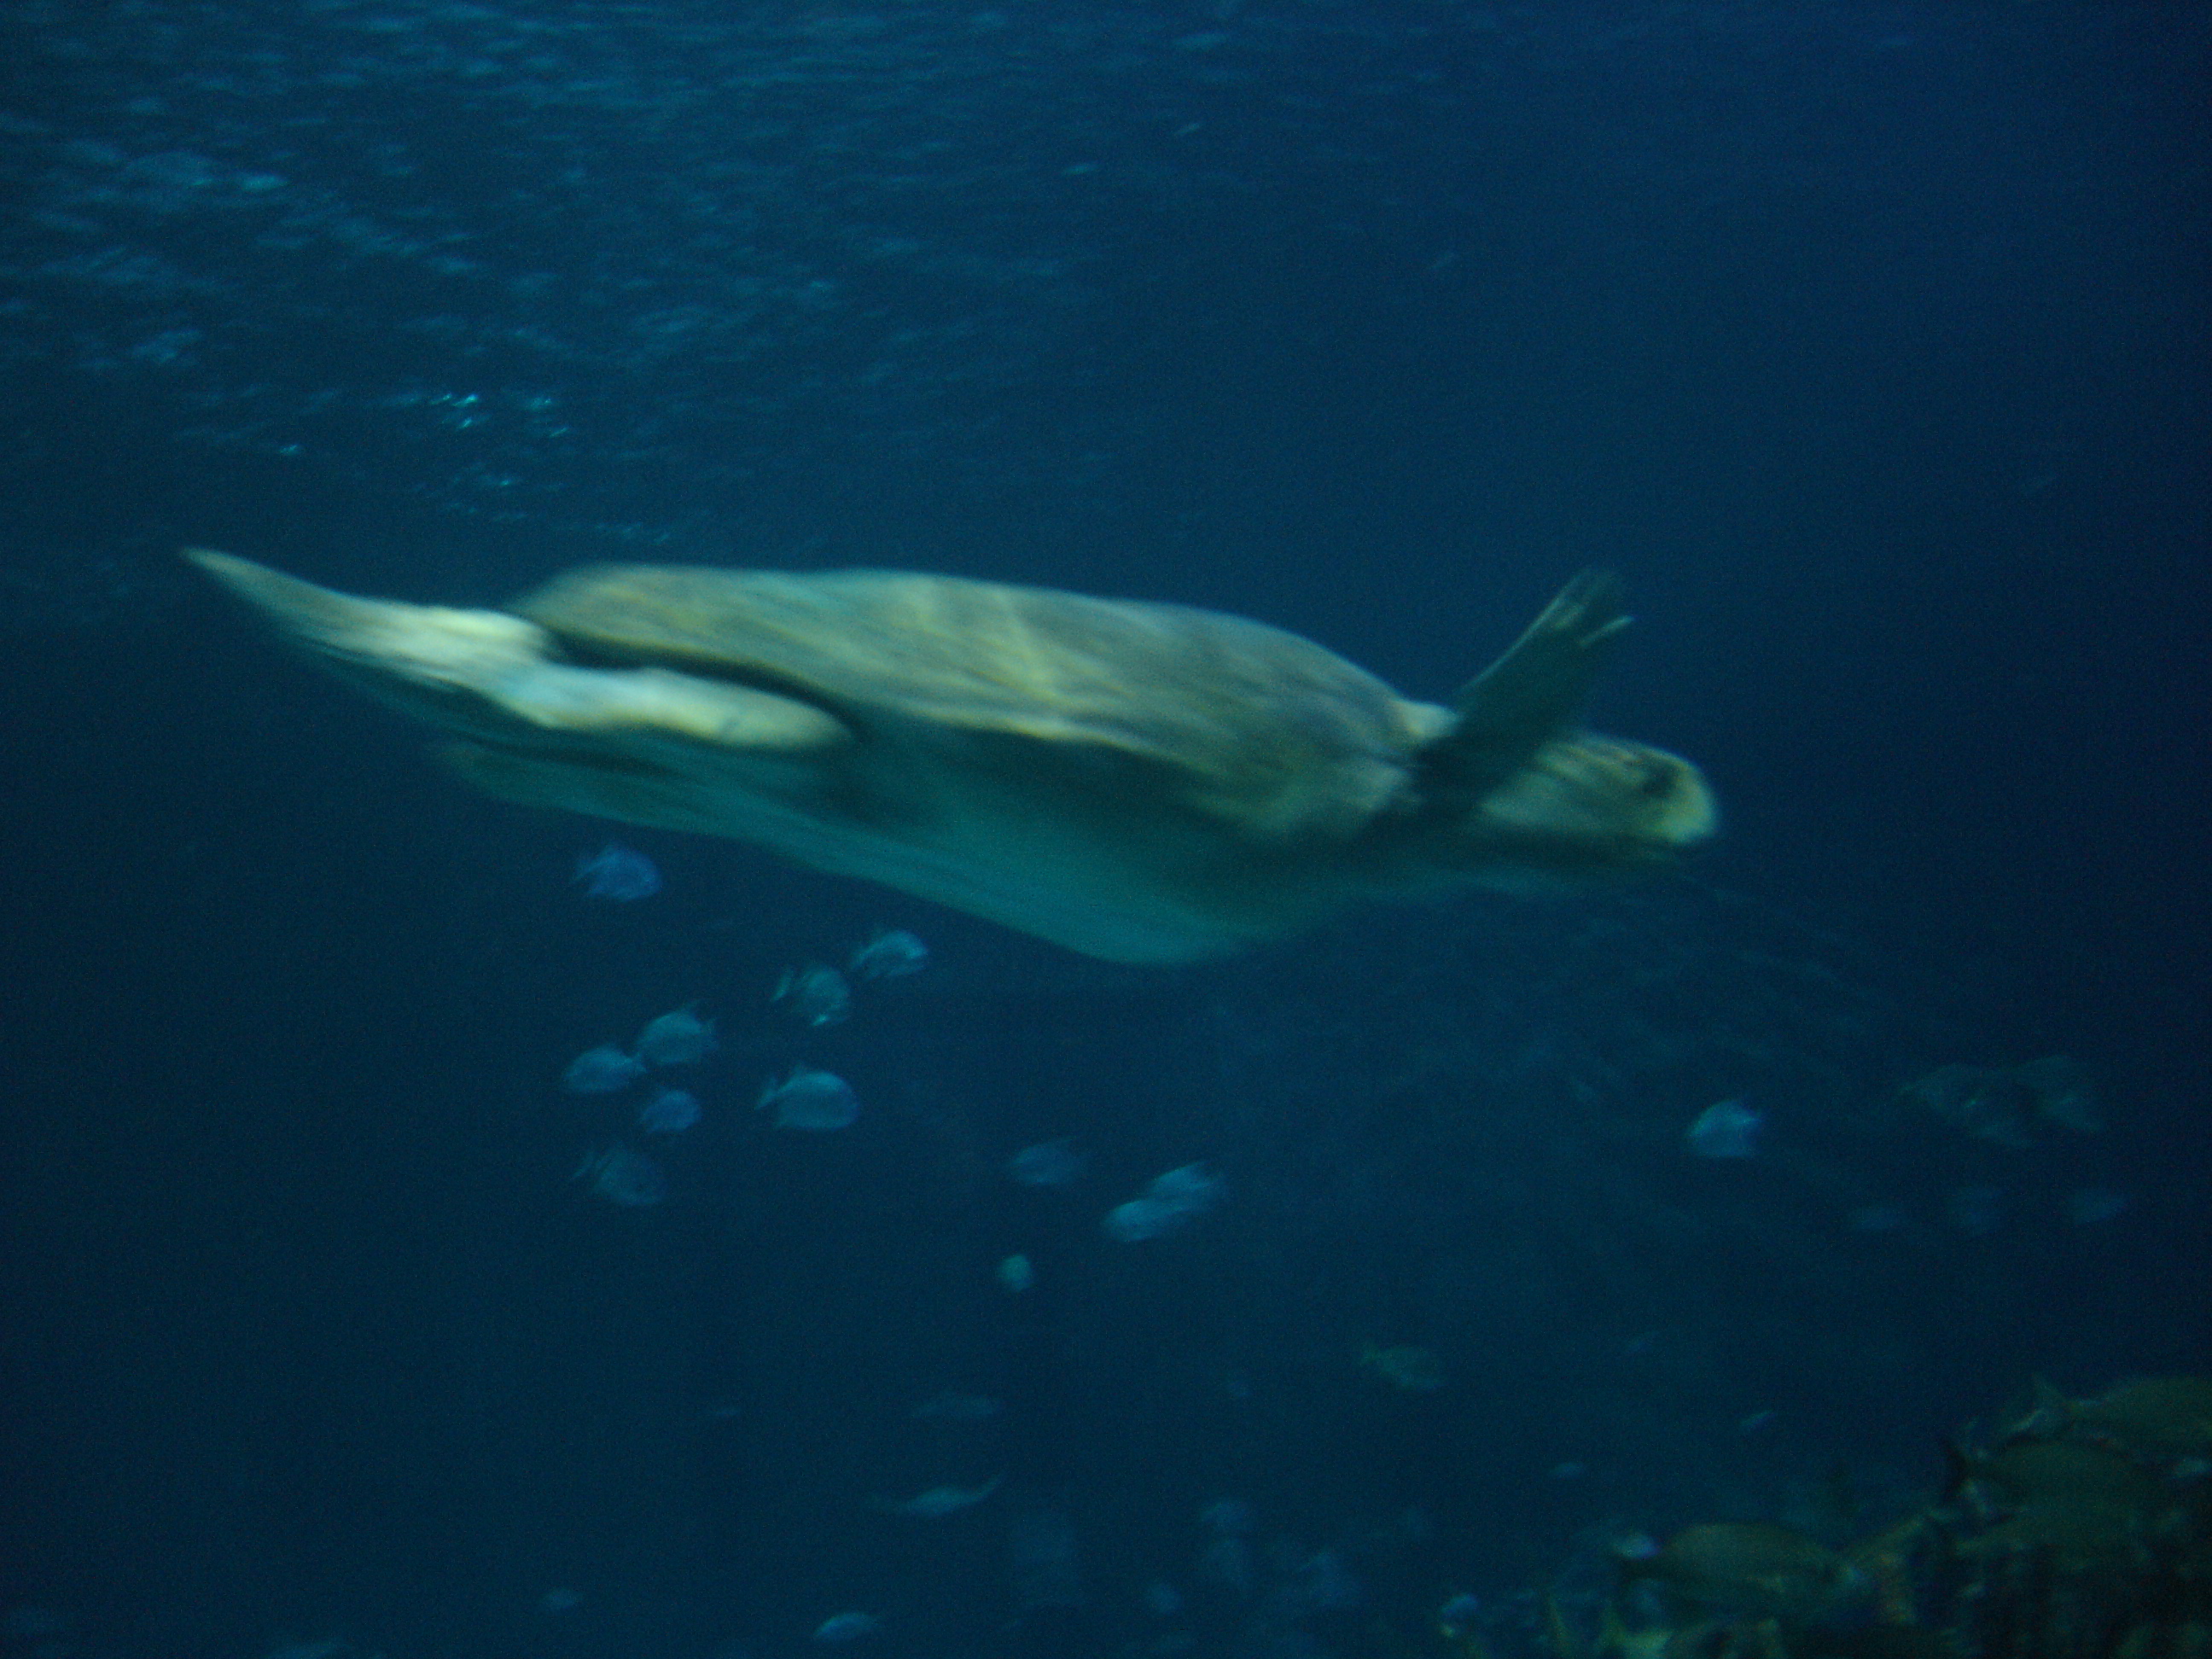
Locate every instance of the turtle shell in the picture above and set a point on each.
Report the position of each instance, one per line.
(1241, 721)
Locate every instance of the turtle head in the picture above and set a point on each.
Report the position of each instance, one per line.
(1581, 807)
(1513, 792)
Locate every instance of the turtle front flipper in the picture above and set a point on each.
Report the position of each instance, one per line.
(1533, 693)
(499, 678)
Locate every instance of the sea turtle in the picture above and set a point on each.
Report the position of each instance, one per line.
(1146, 783)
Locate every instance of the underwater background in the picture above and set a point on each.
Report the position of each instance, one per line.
(1867, 342)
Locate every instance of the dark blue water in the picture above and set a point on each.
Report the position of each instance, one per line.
(1868, 342)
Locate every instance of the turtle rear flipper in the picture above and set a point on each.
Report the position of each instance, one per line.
(492, 675)
(383, 643)
(1532, 693)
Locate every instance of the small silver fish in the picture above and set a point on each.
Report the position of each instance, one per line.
(816, 994)
(1171, 1202)
(1728, 1128)
(939, 1501)
(618, 873)
(624, 1175)
(809, 1099)
(1193, 1186)
(892, 954)
(677, 1038)
(601, 1071)
(670, 1112)
(1141, 1219)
